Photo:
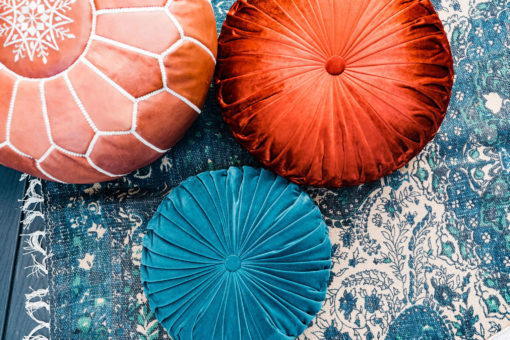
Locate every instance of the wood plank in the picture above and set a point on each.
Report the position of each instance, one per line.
(11, 191)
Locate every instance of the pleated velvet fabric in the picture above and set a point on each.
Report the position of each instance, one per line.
(236, 254)
(334, 93)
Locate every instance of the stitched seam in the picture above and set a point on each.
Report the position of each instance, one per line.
(42, 159)
(163, 71)
(125, 46)
(9, 122)
(109, 80)
(91, 145)
(48, 132)
(113, 133)
(134, 117)
(130, 10)
(184, 99)
(18, 151)
(109, 174)
(79, 103)
(11, 111)
(201, 45)
(45, 111)
(149, 95)
(70, 153)
(175, 22)
(173, 48)
(48, 125)
(144, 141)
(40, 168)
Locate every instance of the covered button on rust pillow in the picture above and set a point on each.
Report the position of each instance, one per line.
(92, 90)
(334, 93)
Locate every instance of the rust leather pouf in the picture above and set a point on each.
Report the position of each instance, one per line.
(92, 90)
(334, 93)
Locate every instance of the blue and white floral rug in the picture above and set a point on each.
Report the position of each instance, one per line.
(421, 254)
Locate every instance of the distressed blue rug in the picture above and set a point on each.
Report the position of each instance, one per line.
(423, 253)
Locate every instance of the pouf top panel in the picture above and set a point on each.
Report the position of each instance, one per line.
(236, 254)
(92, 90)
(334, 93)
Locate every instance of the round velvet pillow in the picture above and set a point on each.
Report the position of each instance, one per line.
(334, 93)
(237, 254)
(92, 90)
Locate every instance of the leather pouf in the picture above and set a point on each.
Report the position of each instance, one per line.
(92, 90)
(334, 93)
(237, 254)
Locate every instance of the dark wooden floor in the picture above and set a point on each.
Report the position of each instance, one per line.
(14, 279)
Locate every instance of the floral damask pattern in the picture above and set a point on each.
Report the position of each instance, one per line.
(423, 253)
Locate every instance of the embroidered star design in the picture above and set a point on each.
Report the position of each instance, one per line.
(33, 27)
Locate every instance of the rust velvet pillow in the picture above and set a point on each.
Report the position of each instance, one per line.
(92, 90)
(333, 93)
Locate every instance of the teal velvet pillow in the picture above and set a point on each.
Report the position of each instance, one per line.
(236, 254)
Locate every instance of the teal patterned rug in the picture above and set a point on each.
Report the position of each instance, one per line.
(421, 254)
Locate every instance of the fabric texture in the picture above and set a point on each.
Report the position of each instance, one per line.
(236, 254)
(425, 246)
(92, 90)
(334, 93)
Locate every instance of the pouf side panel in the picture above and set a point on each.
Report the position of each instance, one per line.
(185, 11)
(12, 159)
(69, 127)
(143, 30)
(185, 75)
(58, 164)
(118, 154)
(164, 119)
(93, 91)
(27, 115)
(136, 73)
(111, 4)
(6, 87)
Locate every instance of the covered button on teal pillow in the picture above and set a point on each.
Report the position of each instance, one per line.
(236, 254)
